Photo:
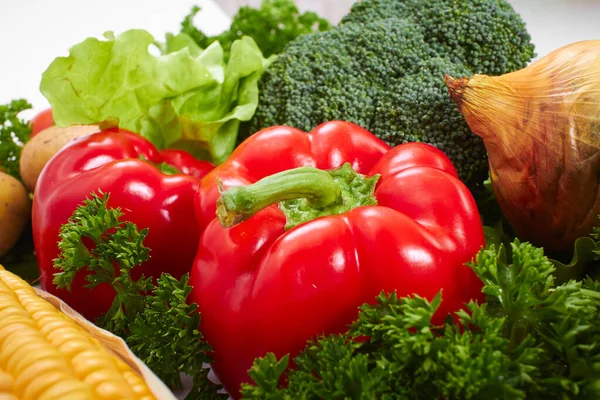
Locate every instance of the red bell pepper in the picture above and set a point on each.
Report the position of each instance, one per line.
(126, 166)
(267, 278)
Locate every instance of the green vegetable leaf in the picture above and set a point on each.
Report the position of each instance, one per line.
(155, 320)
(584, 252)
(187, 98)
(517, 288)
(14, 133)
(267, 373)
(175, 43)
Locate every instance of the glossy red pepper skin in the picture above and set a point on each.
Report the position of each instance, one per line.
(262, 289)
(110, 161)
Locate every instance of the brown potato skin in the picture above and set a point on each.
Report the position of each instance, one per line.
(42, 147)
(15, 211)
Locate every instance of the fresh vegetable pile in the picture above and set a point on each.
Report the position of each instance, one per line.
(398, 206)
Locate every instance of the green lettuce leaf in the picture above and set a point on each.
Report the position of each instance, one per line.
(185, 97)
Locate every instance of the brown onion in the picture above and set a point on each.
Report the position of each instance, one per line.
(541, 129)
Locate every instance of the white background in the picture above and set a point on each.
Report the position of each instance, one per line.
(34, 32)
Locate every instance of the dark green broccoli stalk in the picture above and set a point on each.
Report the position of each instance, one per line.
(383, 68)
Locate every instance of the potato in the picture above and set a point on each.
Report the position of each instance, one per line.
(40, 149)
(15, 210)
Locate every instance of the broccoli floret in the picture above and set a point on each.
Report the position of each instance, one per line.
(487, 36)
(383, 67)
(328, 81)
(417, 109)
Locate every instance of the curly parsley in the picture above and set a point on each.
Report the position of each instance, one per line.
(160, 327)
(14, 133)
(272, 26)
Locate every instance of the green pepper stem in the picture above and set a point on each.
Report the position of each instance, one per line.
(238, 203)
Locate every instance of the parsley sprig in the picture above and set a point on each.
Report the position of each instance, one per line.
(272, 26)
(532, 339)
(14, 133)
(154, 319)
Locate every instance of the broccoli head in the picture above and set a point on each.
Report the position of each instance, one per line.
(313, 80)
(486, 36)
(417, 109)
(383, 66)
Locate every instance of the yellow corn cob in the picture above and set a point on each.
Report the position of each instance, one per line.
(45, 355)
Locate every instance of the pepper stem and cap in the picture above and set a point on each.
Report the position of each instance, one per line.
(303, 194)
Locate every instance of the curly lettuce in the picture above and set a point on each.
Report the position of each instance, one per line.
(185, 97)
